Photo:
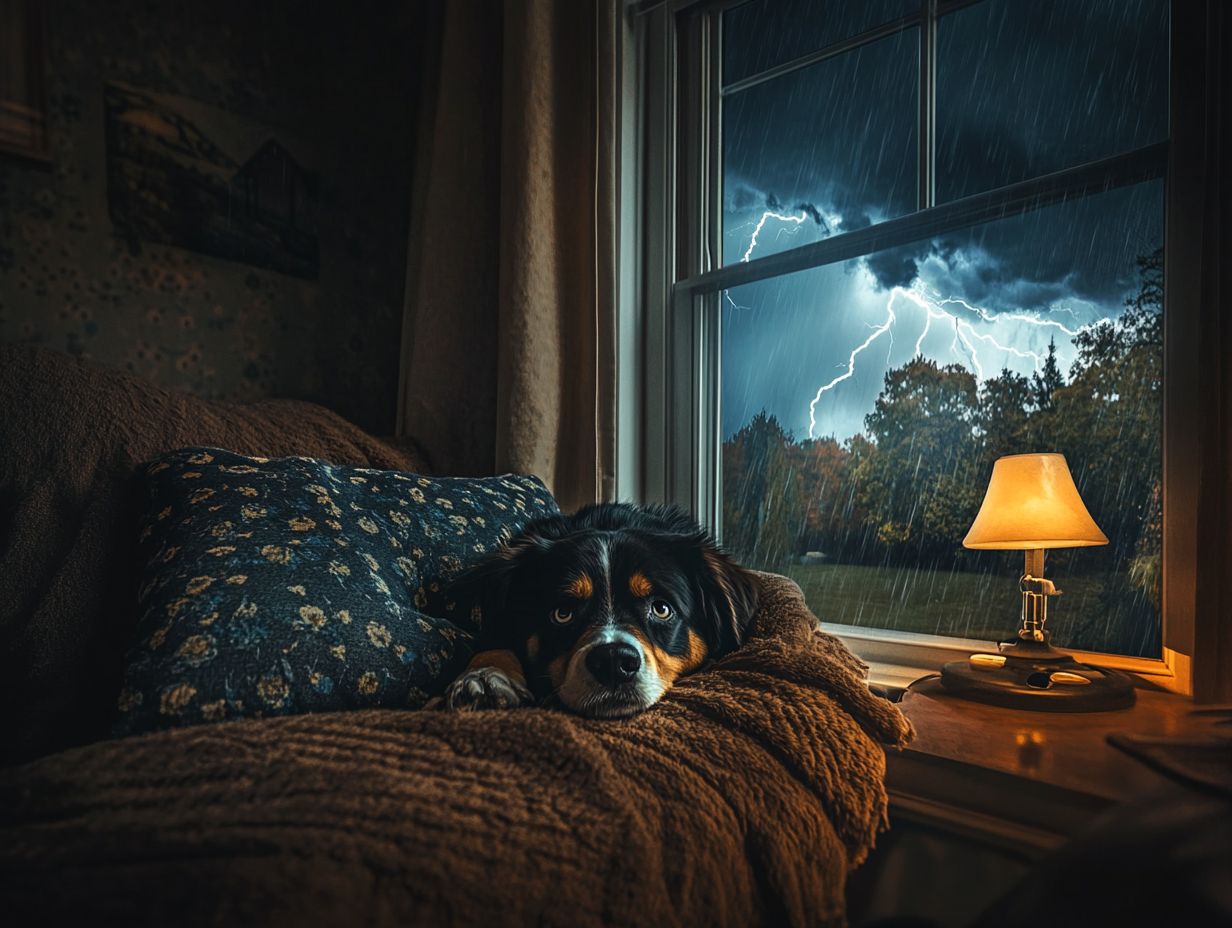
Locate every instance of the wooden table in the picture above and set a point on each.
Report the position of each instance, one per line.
(984, 792)
(1024, 781)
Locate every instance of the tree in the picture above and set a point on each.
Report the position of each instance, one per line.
(1108, 417)
(1107, 422)
(926, 407)
(1047, 381)
(1143, 317)
(923, 429)
(949, 507)
(1004, 414)
(823, 473)
(763, 511)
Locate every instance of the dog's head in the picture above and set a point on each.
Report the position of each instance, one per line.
(605, 609)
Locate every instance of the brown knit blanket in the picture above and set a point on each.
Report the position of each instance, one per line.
(743, 798)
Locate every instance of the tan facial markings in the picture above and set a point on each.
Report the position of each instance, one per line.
(532, 647)
(639, 586)
(505, 661)
(581, 587)
(667, 667)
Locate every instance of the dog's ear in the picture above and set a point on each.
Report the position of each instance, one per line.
(484, 586)
(729, 596)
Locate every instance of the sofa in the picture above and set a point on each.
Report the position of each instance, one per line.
(745, 797)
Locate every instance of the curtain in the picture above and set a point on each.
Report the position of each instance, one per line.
(1213, 593)
(508, 356)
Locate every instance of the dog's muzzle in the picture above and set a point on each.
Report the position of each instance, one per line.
(609, 676)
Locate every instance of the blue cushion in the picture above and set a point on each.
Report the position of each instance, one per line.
(282, 586)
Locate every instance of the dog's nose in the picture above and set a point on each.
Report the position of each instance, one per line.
(613, 664)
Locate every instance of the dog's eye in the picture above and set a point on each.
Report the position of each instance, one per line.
(661, 609)
(562, 616)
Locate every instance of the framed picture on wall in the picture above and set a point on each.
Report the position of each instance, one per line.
(23, 80)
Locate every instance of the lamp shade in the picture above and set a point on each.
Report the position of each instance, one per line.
(1031, 502)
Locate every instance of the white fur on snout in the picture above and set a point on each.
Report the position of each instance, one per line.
(583, 693)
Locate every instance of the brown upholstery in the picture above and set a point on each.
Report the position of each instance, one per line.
(71, 436)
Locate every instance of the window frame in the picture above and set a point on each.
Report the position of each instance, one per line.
(672, 280)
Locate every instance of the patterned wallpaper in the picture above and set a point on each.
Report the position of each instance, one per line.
(340, 82)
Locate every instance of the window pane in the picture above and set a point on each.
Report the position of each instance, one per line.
(863, 404)
(822, 150)
(764, 34)
(1024, 89)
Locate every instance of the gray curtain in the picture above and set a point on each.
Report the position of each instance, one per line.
(508, 360)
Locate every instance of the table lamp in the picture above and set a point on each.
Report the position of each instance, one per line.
(1032, 504)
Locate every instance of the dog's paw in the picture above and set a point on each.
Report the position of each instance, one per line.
(486, 688)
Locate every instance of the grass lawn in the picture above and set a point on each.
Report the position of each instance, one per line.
(965, 605)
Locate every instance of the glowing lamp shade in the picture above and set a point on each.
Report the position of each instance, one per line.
(1032, 502)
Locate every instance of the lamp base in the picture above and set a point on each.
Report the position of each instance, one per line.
(1028, 682)
(1028, 650)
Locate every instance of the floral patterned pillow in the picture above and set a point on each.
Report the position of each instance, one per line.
(273, 587)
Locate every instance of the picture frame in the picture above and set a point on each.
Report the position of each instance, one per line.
(23, 80)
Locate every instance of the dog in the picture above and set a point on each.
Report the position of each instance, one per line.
(600, 612)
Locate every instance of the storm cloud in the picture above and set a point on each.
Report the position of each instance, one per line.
(839, 138)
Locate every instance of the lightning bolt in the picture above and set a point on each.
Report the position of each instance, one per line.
(965, 336)
(734, 304)
(933, 307)
(986, 316)
(761, 223)
(919, 342)
(851, 360)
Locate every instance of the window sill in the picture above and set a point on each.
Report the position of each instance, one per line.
(897, 659)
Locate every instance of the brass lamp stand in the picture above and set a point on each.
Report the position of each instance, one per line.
(1032, 642)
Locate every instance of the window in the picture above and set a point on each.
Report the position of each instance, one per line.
(856, 459)
(906, 238)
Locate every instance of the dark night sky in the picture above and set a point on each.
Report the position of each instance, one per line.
(1023, 89)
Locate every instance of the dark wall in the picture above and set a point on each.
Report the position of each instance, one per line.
(340, 79)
